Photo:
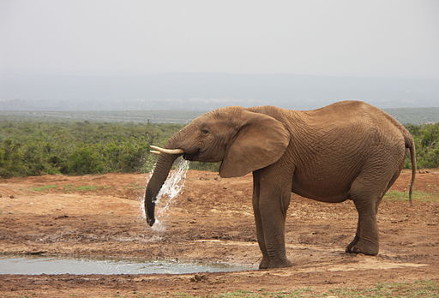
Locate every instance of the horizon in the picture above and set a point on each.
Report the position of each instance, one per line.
(415, 116)
(207, 91)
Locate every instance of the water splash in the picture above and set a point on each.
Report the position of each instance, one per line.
(169, 191)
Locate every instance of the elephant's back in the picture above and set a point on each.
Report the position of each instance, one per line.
(357, 116)
(344, 139)
(348, 111)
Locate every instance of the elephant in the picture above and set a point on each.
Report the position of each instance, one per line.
(346, 150)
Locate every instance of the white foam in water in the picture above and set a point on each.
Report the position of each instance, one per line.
(169, 191)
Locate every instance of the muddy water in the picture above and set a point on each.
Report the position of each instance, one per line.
(47, 265)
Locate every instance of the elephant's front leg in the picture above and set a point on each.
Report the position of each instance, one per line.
(270, 201)
(258, 221)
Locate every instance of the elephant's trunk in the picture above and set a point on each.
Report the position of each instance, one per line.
(159, 176)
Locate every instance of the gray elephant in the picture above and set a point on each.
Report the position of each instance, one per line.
(347, 150)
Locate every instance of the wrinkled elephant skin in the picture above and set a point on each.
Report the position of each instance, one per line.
(347, 150)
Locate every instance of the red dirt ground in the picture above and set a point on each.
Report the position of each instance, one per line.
(210, 221)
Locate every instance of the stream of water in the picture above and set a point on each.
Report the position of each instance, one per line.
(169, 191)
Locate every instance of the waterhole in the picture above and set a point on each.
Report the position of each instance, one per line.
(52, 265)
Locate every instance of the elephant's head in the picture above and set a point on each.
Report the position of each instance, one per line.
(242, 139)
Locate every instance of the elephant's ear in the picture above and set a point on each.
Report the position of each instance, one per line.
(261, 141)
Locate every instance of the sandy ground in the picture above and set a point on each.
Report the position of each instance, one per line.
(211, 221)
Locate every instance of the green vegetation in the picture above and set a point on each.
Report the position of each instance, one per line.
(427, 144)
(44, 188)
(420, 196)
(30, 148)
(69, 188)
(35, 148)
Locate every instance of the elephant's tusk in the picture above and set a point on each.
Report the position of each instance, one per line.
(155, 152)
(167, 151)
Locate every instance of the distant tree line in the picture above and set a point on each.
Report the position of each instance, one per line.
(36, 148)
(427, 144)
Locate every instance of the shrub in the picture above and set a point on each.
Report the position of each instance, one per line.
(36, 148)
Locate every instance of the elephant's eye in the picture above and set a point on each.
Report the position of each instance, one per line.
(205, 131)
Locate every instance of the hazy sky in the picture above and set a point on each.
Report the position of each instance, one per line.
(341, 37)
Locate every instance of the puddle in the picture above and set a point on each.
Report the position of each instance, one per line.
(47, 265)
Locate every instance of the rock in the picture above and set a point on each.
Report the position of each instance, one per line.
(199, 278)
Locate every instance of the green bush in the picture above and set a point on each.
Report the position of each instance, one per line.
(84, 160)
(35, 148)
(426, 138)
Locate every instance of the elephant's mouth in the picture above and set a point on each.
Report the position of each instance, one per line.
(191, 156)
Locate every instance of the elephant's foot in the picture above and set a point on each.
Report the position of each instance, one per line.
(266, 263)
(362, 246)
(352, 244)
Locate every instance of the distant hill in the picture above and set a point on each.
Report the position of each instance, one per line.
(415, 115)
(404, 115)
(178, 117)
(206, 91)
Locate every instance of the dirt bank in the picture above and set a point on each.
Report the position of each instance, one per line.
(211, 221)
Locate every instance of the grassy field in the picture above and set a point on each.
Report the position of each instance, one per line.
(417, 196)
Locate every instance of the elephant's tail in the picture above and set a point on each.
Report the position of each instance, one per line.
(410, 145)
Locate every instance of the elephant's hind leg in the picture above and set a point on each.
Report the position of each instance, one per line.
(366, 240)
(350, 246)
(366, 197)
